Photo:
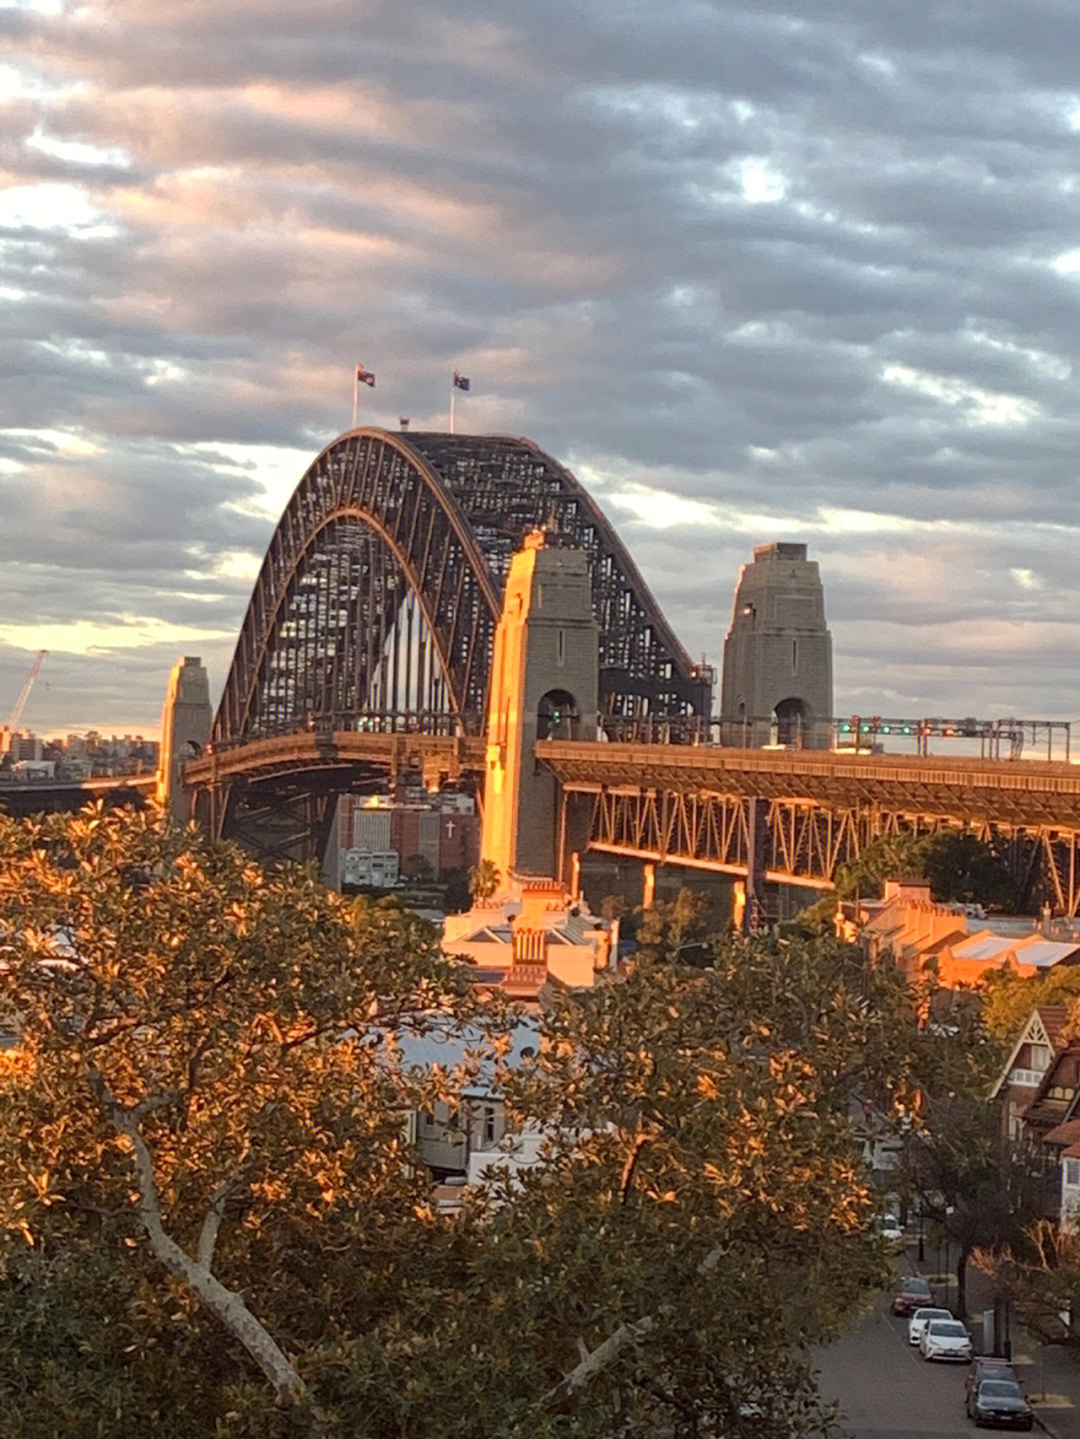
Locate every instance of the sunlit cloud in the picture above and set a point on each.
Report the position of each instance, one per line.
(750, 273)
(983, 407)
(52, 207)
(79, 152)
(86, 637)
(759, 181)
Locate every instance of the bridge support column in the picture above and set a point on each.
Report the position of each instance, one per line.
(757, 829)
(777, 682)
(185, 729)
(648, 885)
(544, 685)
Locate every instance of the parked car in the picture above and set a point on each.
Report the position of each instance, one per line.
(891, 1231)
(987, 1366)
(946, 1339)
(913, 1294)
(920, 1319)
(999, 1404)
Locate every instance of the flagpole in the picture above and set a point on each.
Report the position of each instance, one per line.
(452, 389)
(355, 393)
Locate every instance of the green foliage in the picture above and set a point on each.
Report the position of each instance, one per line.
(674, 932)
(700, 1219)
(963, 869)
(457, 897)
(484, 880)
(236, 1027)
(974, 1188)
(959, 867)
(1009, 998)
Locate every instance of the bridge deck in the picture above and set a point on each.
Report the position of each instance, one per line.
(1028, 794)
(304, 750)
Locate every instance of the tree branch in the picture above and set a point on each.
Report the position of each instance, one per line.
(211, 1224)
(640, 1142)
(562, 1395)
(224, 1303)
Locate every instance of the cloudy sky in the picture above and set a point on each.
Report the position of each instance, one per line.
(754, 270)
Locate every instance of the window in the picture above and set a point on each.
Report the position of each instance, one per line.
(794, 657)
(489, 1124)
(1072, 1173)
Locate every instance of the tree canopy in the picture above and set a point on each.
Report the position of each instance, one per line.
(958, 865)
(210, 1221)
(1008, 997)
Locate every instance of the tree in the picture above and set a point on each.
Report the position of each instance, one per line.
(676, 931)
(1009, 998)
(484, 880)
(964, 869)
(205, 1066)
(210, 1221)
(976, 1189)
(704, 1123)
(959, 867)
(1039, 1275)
(456, 895)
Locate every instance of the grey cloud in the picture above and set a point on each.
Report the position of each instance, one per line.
(561, 201)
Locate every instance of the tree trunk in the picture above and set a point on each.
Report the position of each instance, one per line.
(961, 1283)
(227, 1305)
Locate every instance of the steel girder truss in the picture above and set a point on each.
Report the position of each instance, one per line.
(806, 843)
(690, 805)
(382, 585)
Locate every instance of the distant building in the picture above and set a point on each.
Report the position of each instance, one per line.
(461, 1142)
(413, 834)
(1039, 1087)
(1045, 1036)
(368, 869)
(917, 934)
(521, 944)
(25, 747)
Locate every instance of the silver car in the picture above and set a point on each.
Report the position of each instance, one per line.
(920, 1319)
(946, 1339)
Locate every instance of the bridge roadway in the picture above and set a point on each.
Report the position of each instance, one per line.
(695, 805)
(20, 800)
(795, 815)
(1030, 793)
(439, 756)
(811, 810)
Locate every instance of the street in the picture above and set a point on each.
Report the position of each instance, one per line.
(886, 1389)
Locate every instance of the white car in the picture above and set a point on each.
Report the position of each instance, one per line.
(891, 1231)
(946, 1339)
(920, 1319)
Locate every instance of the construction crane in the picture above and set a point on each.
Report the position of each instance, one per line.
(20, 703)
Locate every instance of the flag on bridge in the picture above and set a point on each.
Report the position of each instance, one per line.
(461, 382)
(364, 377)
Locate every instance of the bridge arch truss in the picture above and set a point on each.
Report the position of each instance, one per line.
(382, 584)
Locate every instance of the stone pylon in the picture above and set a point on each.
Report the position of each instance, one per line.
(544, 685)
(777, 685)
(185, 730)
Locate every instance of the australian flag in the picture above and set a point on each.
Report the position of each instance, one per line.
(461, 382)
(364, 377)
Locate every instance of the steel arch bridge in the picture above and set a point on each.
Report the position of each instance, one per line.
(381, 589)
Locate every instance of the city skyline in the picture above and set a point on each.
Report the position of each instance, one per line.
(769, 272)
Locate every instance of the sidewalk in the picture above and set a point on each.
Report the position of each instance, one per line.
(1048, 1374)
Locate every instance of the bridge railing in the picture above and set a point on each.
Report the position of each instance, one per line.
(375, 722)
(1003, 739)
